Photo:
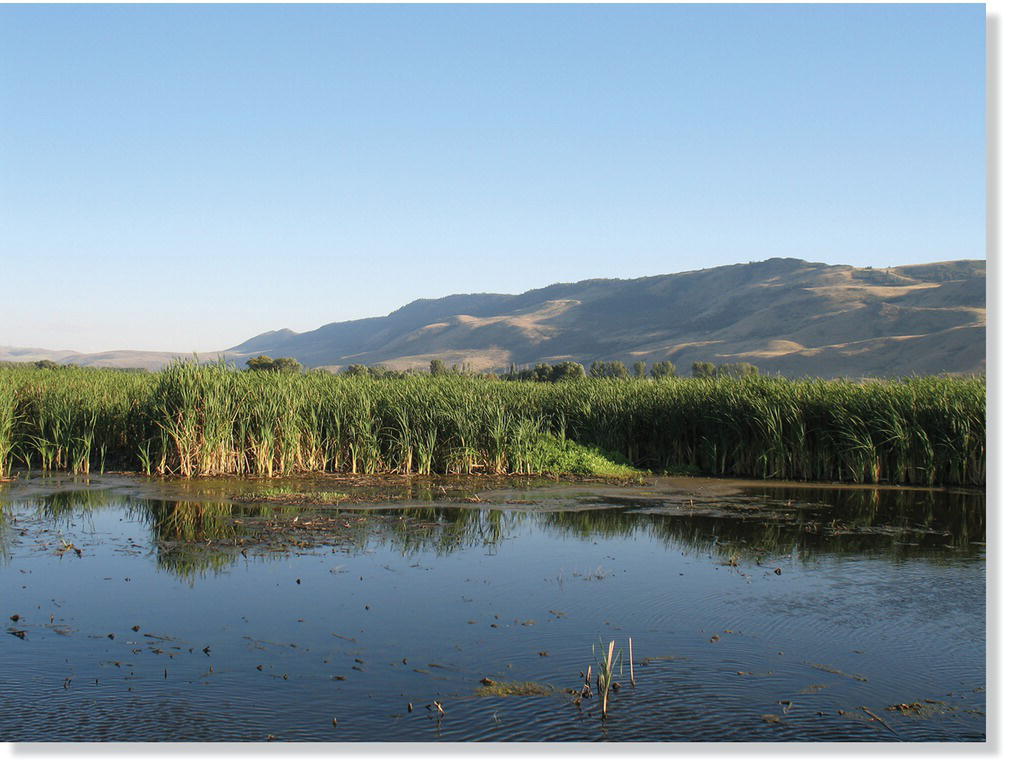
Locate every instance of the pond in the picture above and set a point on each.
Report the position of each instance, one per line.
(318, 610)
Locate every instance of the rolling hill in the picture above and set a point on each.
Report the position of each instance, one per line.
(786, 316)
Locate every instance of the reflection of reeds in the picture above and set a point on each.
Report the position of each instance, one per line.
(196, 420)
(192, 537)
(802, 522)
(188, 521)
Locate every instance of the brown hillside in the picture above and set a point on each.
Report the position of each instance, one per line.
(784, 315)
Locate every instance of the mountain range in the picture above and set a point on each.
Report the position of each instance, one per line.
(786, 316)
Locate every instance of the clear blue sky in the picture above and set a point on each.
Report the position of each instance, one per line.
(181, 178)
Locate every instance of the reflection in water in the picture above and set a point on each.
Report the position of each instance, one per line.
(192, 538)
(55, 508)
(58, 505)
(802, 522)
(348, 615)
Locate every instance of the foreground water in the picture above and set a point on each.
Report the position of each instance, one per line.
(158, 611)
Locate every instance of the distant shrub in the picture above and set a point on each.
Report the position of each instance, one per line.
(665, 369)
(280, 365)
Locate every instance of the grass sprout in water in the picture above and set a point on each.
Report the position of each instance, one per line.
(607, 659)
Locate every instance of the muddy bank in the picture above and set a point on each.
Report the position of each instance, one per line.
(353, 490)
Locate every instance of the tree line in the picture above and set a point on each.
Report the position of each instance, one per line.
(542, 372)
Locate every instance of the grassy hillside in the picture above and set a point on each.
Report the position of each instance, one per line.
(786, 316)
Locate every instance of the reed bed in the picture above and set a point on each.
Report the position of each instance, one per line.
(193, 420)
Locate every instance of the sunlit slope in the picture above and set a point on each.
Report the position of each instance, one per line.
(784, 315)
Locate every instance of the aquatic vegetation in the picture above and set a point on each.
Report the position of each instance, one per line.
(550, 454)
(607, 659)
(493, 688)
(205, 420)
(633, 682)
(288, 497)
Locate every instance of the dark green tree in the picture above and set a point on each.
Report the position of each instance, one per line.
(664, 369)
(438, 368)
(738, 370)
(611, 369)
(704, 370)
(262, 362)
(567, 371)
(287, 365)
(640, 369)
(542, 372)
(616, 369)
(280, 365)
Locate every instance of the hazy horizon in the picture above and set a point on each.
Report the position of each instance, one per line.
(183, 178)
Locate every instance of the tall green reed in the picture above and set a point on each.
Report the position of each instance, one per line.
(202, 420)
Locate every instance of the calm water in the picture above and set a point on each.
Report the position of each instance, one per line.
(757, 613)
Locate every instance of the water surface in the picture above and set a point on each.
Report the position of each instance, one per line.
(161, 611)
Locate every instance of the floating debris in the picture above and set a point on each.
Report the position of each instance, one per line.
(832, 670)
(922, 709)
(492, 688)
(811, 688)
(879, 719)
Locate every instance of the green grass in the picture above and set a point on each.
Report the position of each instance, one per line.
(192, 420)
(552, 454)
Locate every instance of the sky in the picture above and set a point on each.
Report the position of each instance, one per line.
(181, 178)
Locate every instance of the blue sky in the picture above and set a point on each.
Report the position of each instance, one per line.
(182, 178)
